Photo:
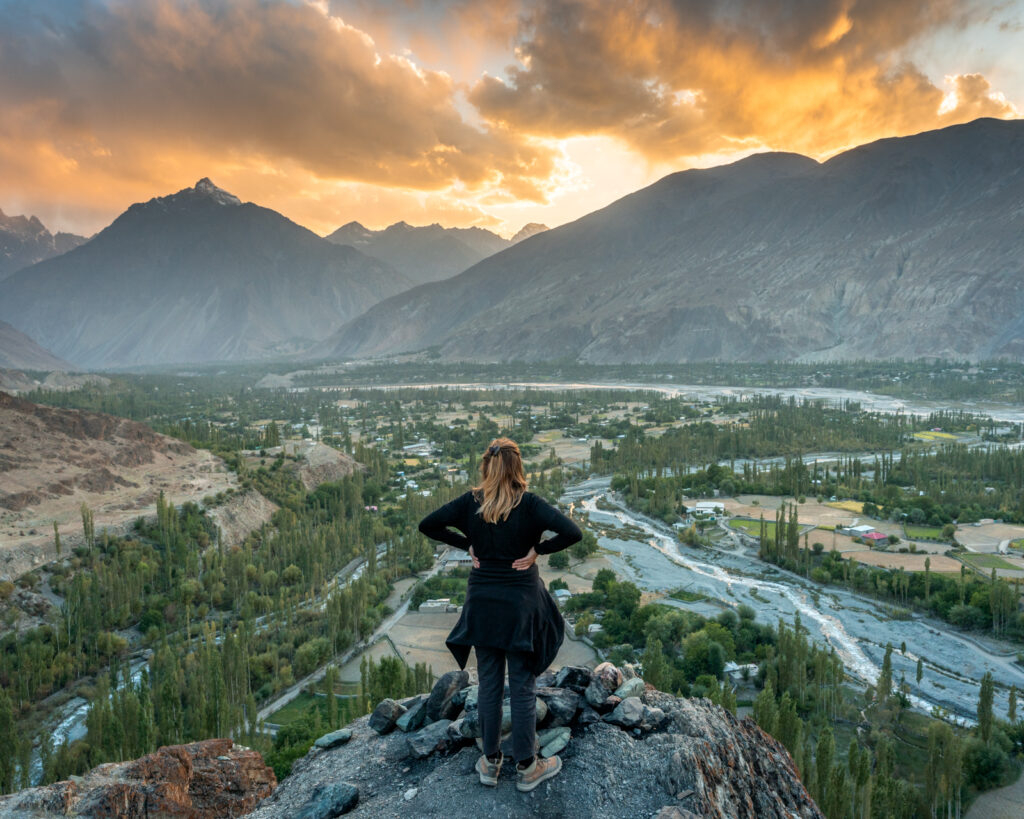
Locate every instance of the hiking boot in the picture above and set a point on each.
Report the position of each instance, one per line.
(541, 769)
(489, 770)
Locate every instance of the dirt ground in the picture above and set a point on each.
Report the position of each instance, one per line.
(986, 538)
(910, 562)
(419, 638)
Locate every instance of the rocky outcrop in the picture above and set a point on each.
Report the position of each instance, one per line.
(651, 755)
(202, 780)
(241, 514)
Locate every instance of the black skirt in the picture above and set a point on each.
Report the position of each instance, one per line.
(508, 609)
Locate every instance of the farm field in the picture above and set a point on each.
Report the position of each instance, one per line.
(916, 532)
(940, 564)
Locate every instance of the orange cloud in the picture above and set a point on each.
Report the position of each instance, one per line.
(680, 78)
(148, 93)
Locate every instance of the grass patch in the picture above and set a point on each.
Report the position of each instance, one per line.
(303, 704)
(687, 596)
(987, 562)
(857, 507)
(753, 527)
(916, 532)
(928, 435)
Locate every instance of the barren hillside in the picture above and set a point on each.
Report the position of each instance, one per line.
(54, 460)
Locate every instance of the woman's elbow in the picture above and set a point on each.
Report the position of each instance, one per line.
(576, 535)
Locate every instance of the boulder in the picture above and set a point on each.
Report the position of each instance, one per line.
(610, 675)
(469, 725)
(587, 716)
(434, 737)
(415, 716)
(553, 740)
(385, 715)
(632, 713)
(506, 714)
(471, 692)
(597, 696)
(633, 687)
(562, 703)
(329, 800)
(334, 739)
(627, 714)
(439, 703)
(574, 677)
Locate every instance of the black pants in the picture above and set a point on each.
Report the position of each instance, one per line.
(490, 665)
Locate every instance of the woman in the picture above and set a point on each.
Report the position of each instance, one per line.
(508, 615)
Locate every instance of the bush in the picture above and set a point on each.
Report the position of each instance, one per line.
(985, 765)
(559, 560)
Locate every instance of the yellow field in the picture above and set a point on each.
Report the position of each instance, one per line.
(411, 461)
(848, 506)
(934, 436)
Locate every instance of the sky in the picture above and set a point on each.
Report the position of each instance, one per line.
(492, 114)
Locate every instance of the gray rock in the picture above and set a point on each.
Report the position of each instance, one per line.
(573, 676)
(333, 739)
(385, 715)
(469, 725)
(414, 717)
(439, 704)
(597, 696)
(553, 740)
(471, 693)
(632, 713)
(328, 801)
(587, 716)
(632, 687)
(506, 714)
(628, 714)
(562, 703)
(434, 737)
(547, 678)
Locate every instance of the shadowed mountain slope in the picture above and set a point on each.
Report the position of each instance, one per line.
(907, 247)
(196, 276)
(430, 253)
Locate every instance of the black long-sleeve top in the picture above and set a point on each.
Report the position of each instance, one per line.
(509, 539)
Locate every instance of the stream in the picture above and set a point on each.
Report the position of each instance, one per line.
(853, 625)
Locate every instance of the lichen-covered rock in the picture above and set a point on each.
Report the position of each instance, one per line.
(562, 703)
(574, 677)
(439, 704)
(435, 737)
(328, 801)
(334, 738)
(633, 687)
(415, 716)
(385, 715)
(610, 675)
(200, 780)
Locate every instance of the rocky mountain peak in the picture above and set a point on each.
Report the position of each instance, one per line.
(528, 230)
(627, 749)
(205, 187)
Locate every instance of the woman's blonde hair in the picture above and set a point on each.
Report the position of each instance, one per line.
(502, 480)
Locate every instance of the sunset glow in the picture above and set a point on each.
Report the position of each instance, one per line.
(464, 113)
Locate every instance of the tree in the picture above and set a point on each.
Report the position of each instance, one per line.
(1011, 710)
(56, 538)
(920, 670)
(766, 711)
(559, 560)
(823, 762)
(603, 580)
(8, 743)
(884, 686)
(985, 697)
(656, 668)
(330, 678)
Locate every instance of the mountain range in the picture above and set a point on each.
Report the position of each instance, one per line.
(430, 253)
(24, 240)
(906, 247)
(19, 352)
(192, 277)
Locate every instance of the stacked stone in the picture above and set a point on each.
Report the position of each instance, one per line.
(447, 718)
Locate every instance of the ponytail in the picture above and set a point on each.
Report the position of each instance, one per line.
(502, 480)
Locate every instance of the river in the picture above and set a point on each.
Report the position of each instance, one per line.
(851, 624)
